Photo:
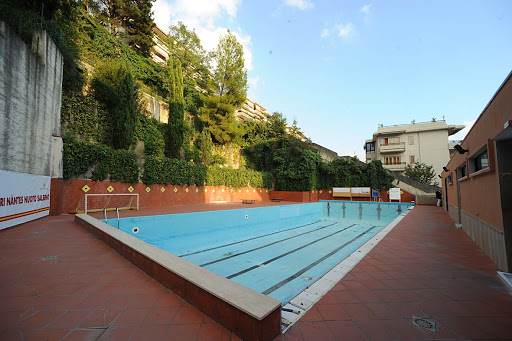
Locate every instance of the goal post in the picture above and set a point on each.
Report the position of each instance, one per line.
(109, 202)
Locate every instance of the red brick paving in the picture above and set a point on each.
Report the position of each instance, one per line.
(423, 268)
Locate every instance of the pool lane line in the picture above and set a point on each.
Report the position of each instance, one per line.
(287, 253)
(245, 240)
(266, 245)
(297, 274)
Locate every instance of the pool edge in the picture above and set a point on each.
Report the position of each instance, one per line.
(304, 301)
(243, 311)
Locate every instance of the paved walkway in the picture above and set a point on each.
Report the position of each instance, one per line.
(59, 282)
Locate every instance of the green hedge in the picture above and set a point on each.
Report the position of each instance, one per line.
(80, 157)
(163, 170)
(120, 165)
(217, 176)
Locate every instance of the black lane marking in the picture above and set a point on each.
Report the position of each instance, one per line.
(266, 245)
(287, 253)
(299, 273)
(245, 240)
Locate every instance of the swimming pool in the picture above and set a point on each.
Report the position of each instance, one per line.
(278, 251)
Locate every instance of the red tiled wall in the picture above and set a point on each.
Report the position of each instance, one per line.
(67, 194)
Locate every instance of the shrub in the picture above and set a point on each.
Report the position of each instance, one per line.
(80, 157)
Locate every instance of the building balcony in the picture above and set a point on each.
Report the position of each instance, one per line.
(393, 147)
(397, 167)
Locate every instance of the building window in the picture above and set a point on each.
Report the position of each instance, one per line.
(389, 140)
(411, 140)
(411, 159)
(392, 160)
(394, 140)
(462, 171)
(450, 179)
(370, 147)
(479, 161)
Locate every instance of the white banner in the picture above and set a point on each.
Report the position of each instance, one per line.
(361, 190)
(23, 197)
(394, 194)
(341, 189)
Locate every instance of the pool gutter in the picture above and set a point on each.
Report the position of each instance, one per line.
(245, 312)
(301, 303)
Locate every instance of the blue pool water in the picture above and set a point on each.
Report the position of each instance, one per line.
(277, 250)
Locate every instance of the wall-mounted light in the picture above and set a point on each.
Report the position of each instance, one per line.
(446, 169)
(440, 177)
(459, 149)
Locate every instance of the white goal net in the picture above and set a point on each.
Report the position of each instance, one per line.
(109, 202)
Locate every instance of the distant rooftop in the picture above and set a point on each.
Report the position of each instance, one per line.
(415, 126)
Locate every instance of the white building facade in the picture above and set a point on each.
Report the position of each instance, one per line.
(401, 145)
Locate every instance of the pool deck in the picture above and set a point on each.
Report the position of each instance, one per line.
(59, 282)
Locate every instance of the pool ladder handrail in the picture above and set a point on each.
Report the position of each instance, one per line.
(117, 216)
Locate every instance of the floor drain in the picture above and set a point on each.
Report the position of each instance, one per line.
(426, 324)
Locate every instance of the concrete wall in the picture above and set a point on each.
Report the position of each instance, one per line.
(30, 100)
(159, 109)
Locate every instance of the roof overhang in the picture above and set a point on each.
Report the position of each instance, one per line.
(453, 129)
(506, 133)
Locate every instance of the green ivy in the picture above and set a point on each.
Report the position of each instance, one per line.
(149, 130)
(86, 119)
(98, 45)
(117, 165)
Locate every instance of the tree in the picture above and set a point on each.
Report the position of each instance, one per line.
(421, 172)
(277, 125)
(176, 109)
(377, 177)
(186, 47)
(205, 145)
(133, 15)
(229, 90)
(114, 86)
(137, 19)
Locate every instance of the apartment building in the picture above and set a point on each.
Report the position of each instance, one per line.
(401, 145)
(251, 110)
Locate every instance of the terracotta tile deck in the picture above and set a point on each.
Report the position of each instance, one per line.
(59, 282)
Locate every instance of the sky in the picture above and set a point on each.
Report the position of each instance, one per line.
(341, 68)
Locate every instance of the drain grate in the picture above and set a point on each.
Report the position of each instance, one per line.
(423, 323)
(428, 244)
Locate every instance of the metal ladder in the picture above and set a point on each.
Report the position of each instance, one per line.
(117, 216)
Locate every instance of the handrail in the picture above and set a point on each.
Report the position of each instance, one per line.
(117, 216)
(393, 144)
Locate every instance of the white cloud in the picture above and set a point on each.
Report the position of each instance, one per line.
(203, 16)
(462, 134)
(325, 33)
(366, 9)
(345, 31)
(300, 4)
(253, 84)
(162, 14)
